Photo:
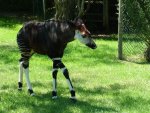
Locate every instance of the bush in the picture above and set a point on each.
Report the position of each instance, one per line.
(136, 17)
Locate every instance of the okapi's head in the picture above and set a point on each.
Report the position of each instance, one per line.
(83, 34)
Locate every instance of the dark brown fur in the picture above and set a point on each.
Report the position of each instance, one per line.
(49, 38)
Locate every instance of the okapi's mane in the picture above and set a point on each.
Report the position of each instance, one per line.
(70, 22)
(31, 24)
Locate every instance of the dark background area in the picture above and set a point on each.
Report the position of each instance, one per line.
(16, 6)
(93, 17)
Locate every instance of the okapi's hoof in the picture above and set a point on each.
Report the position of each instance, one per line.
(31, 92)
(19, 86)
(73, 97)
(54, 95)
(72, 93)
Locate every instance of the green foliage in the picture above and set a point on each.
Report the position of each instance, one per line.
(133, 16)
(136, 20)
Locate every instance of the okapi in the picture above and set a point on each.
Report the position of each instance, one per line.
(50, 38)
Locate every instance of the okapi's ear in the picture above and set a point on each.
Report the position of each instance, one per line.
(77, 21)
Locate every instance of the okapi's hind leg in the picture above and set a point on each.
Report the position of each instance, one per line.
(24, 66)
(59, 64)
(20, 79)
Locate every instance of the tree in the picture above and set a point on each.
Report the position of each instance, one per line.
(145, 7)
(69, 9)
(65, 9)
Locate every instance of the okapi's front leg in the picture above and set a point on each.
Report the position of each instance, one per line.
(59, 63)
(54, 74)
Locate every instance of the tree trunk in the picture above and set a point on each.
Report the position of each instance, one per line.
(65, 9)
(69, 9)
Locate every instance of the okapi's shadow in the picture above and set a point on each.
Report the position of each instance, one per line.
(64, 104)
(43, 102)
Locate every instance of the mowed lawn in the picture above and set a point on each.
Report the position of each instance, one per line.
(103, 83)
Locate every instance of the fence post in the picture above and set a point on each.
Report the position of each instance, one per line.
(120, 55)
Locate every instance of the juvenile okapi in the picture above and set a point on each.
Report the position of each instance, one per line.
(50, 38)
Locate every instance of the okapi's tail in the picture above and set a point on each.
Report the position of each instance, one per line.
(23, 43)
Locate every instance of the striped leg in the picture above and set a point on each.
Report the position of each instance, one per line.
(59, 63)
(66, 74)
(54, 74)
(25, 67)
(20, 80)
(26, 70)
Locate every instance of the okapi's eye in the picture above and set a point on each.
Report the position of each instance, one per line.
(84, 36)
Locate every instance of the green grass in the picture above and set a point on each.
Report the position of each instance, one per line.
(103, 83)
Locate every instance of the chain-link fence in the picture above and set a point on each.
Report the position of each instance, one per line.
(133, 29)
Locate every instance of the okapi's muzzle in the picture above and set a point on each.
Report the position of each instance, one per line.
(87, 40)
(92, 45)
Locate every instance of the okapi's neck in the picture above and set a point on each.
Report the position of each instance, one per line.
(70, 30)
(67, 30)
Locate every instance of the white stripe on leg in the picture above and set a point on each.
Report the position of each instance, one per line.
(68, 80)
(27, 78)
(20, 79)
(54, 84)
(63, 69)
(69, 84)
(54, 74)
(54, 78)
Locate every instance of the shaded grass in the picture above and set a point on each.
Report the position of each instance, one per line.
(9, 22)
(103, 83)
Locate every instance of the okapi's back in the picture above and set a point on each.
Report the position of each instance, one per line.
(32, 36)
(45, 37)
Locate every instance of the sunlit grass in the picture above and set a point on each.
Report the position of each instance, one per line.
(103, 83)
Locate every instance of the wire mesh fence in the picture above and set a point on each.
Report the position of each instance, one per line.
(133, 25)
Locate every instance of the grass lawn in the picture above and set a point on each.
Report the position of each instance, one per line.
(103, 83)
